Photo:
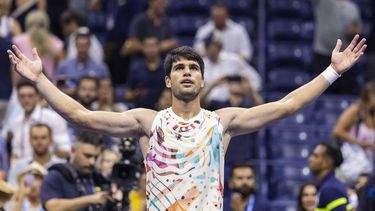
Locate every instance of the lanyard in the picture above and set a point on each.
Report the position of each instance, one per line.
(250, 206)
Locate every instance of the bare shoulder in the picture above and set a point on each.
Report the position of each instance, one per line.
(227, 114)
(144, 117)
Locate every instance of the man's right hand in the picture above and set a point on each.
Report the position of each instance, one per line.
(99, 197)
(29, 69)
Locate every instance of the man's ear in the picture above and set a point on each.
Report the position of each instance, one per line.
(167, 82)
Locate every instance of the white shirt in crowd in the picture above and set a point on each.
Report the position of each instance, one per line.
(234, 38)
(21, 146)
(228, 64)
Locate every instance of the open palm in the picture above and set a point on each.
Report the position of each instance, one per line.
(342, 61)
(30, 69)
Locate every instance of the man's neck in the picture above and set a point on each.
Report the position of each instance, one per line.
(82, 59)
(236, 100)
(42, 159)
(156, 19)
(186, 110)
(153, 63)
(322, 174)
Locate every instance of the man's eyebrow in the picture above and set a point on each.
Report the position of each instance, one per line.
(179, 65)
(193, 65)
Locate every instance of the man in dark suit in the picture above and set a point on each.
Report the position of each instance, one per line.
(242, 184)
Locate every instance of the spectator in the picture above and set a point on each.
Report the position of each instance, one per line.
(71, 23)
(33, 113)
(369, 73)
(137, 198)
(151, 23)
(87, 91)
(361, 181)
(242, 183)
(72, 69)
(307, 197)
(165, 100)
(219, 63)
(367, 196)
(37, 35)
(356, 127)
(322, 164)
(107, 160)
(9, 26)
(241, 93)
(234, 37)
(335, 19)
(28, 194)
(41, 142)
(106, 95)
(145, 76)
(25, 7)
(74, 185)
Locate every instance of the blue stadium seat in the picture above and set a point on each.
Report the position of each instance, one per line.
(286, 29)
(302, 134)
(277, 149)
(176, 7)
(287, 79)
(286, 178)
(187, 25)
(289, 54)
(242, 148)
(290, 8)
(240, 7)
(189, 41)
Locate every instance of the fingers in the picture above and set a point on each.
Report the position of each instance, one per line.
(13, 58)
(359, 46)
(18, 52)
(338, 46)
(35, 54)
(353, 42)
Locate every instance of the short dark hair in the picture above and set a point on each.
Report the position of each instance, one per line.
(72, 16)
(183, 52)
(39, 124)
(221, 5)
(333, 153)
(240, 165)
(88, 78)
(26, 83)
(86, 137)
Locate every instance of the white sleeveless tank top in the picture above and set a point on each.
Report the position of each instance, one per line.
(185, 162)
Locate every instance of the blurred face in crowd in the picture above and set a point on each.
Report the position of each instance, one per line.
(28, 98)
(105, 91)
(318, 161)
(213, 50)
(165, 99)
(236, 87)
(158, 6)
(361, 181)
(84, 157)
(35, 187)
(219, 16)
(83, 46)
(109, 158)
(5, 7)
(243, 181)
(87, 92)
(151, 48)
(40, 139)
(308, 198)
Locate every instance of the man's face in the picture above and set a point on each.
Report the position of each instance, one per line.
(213, 51)
(219, 16)
(151, 48)
(158, 6)
(317, 160)
(105, 89)
(28, 98)
(185, 79)
(85, 156)
(308, 198)
(108, 161)
(40, 140)
(87, 92)
(83, 46)
(243, 181)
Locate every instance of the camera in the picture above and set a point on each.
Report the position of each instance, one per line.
(125, 175)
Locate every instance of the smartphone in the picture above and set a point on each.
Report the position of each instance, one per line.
(234, 78)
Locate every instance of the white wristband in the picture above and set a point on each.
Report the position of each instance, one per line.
(330, 74)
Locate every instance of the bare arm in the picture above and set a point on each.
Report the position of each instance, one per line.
(76, 203)
(116, 124)
(346, 121)
(239, 121)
